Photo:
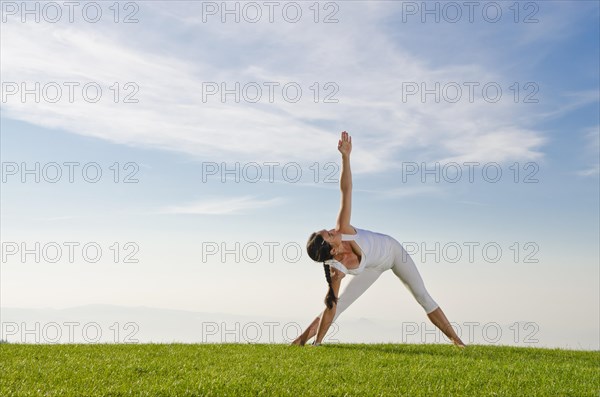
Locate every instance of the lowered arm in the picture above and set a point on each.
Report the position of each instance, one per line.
(329, 314)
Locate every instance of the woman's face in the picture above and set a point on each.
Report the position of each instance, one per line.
(333, 237)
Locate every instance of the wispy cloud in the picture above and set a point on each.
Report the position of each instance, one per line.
(368, 66)
(594, 170)
(221, 206)
(572, 101)
(408, 191)
(592, 142)
(55, 218)
(468, 202)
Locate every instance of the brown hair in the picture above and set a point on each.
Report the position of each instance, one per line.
(319, 250)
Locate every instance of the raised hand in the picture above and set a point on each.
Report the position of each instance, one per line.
(345, 144)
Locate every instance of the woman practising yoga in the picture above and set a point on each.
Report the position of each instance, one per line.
(365, 255)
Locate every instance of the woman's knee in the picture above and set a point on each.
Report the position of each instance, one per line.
(426, 301)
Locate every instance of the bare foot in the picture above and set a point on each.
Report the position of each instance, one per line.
(309, 333)
(459, 343)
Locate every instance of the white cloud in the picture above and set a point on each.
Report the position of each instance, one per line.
(406, 191)
(592, 141)
(55, 218)
(469, 202)
(221, 206)
(368, 66)
(595, 170)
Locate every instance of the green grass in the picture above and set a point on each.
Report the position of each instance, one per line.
(281, 370)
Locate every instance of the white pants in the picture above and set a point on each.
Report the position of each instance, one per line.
(403, 267)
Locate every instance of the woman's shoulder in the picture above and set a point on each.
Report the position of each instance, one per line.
(337, 265)
(349, 229)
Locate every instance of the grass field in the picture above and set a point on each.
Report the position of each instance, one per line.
(281, 370)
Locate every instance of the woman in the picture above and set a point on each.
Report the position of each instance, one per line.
(366, 255)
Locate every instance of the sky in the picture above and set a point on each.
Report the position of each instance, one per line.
(177, 155)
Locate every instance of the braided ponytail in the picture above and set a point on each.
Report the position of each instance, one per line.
(319, 250)
(330, 298)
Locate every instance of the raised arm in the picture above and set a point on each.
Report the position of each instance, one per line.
(343, 219)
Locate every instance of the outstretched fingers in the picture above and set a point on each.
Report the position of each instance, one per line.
(345, 143)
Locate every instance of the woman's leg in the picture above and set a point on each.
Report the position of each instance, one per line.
(356, 287)
(404, 268)
(438, 318)
(308, 333)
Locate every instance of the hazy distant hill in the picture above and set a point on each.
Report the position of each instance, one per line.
(109, 323)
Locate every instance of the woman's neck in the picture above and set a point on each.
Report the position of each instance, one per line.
(342, 250)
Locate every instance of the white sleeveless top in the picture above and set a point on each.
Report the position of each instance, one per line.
(376, 251)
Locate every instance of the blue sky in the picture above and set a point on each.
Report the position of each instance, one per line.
(371, 55)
